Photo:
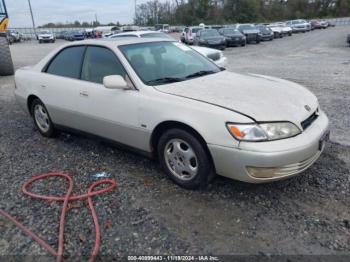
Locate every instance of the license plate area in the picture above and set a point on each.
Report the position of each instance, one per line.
(323, 140)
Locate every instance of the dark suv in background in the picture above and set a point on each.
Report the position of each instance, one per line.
(210, 38)
(250, 31)
(233, 37)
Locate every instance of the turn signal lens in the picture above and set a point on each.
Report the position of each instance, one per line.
(247, 132)
(264, 131)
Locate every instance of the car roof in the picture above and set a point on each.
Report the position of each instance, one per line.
(113, 42)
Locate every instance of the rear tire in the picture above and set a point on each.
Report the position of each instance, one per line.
(184, 159)
(42, 118)
(6, 64)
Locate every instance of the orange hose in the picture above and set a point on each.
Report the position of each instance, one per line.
(68, 197)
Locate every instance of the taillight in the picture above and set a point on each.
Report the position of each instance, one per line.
(190, 33)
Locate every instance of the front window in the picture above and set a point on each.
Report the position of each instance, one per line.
(231, 32)
(247, 27)
(209, 33)
(159, 63)
(100, 62)
(195, 30)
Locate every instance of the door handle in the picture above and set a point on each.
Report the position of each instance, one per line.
(84, 93)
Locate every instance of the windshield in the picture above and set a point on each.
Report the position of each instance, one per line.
(45, 32)
(231, 32)
(159, 63)
(210, 33)
(196, 29)
(156, 35)
(247, 27)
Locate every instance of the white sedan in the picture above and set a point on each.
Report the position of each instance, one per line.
(162, 98)
(216, 55)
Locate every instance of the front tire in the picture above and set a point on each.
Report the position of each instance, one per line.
(185, 159)
(42, 118)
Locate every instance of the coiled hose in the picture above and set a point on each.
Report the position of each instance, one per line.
(66, 199)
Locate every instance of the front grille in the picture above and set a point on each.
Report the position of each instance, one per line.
(308, 121)
(214, 56)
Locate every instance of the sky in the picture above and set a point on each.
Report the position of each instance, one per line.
(46, 11)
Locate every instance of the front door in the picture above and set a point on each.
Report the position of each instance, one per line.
(109, 113)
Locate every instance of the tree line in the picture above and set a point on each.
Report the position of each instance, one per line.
(193, 12)
(77, 24)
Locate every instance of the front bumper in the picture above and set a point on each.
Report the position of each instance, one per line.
(235, 41)
(266, 37)
(299, 29)
(259, 162)
(46, 39)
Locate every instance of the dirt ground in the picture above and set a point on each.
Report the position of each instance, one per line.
(148, 214)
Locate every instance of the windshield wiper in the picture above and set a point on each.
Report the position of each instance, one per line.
(165, 80)
(201, 73)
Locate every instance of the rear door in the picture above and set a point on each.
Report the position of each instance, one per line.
(59, 86)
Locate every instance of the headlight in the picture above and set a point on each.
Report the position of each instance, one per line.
(264, 131)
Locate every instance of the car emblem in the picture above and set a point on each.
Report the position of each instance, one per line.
(308, 108)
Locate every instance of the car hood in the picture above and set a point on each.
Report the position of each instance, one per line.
(205, 50)
(45, 35)
(262, 98)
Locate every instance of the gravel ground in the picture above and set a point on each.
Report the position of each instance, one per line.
(148, 214)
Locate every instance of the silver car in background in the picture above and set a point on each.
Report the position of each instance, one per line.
(299, 25)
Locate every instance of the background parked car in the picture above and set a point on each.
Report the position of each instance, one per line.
(331, 24)
(250, 31)
(74, 36)
(61, 34)
(266, 34)
(286, 30)
(277, 30)
(216, 56)
(318, 24)
(16, 36)
(46, 36)
(10, 38)
(299, 25)
(233, 37)
(189, 33)
(210, 38)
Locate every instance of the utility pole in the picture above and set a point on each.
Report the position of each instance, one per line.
(31, 14)
(135, 11)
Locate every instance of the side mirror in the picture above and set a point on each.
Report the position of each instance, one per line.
(115, 82)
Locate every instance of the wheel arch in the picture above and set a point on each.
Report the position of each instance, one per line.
(170, 124)
(30, 100)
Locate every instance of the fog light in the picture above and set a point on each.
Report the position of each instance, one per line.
(262, 172)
